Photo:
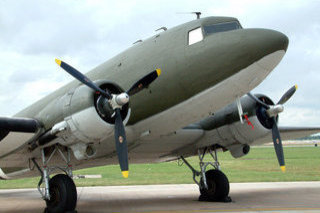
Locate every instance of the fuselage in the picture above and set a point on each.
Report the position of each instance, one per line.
(187, 69)
(206, 64)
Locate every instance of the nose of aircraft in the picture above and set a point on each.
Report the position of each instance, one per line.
(244, 47)
(223, 55)
(240, 48)
(265, 40)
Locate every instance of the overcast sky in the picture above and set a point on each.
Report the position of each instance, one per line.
(87, 33)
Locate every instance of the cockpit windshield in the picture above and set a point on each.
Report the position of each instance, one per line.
(221, 27)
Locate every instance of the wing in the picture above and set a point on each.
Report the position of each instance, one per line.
(289, 133)
(244, 123)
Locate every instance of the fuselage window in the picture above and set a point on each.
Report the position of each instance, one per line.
(222, 27)
(195, 36)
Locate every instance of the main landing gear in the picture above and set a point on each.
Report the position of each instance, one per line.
(213, 184)
(59, 192)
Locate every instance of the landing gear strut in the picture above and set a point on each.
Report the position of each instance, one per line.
(213, 184)
(59, 192)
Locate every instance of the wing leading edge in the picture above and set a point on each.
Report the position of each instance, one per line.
(288, 133)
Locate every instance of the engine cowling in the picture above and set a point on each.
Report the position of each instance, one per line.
(85, 119)
(91, 123)
(224, 127)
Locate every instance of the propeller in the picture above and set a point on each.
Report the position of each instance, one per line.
(270, 113)
(82, 78)
(288, 95)
(116, 101)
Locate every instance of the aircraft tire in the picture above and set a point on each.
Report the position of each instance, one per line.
(218, 187)
(63, 194)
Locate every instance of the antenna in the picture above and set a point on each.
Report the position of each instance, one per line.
(137, 41)
(162, 28)
(198, 14)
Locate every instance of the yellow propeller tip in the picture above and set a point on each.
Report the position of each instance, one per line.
(125, 174)
(158, 71)
(296, 86)
(283, 168)
(58, 62)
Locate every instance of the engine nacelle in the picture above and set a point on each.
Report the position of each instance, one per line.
(86, 119)
(239, 150)
(85, 126)
(224, 127)
(234, 133)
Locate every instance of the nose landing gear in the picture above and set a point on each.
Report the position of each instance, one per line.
(213, 184)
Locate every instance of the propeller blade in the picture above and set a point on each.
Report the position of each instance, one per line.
(258, 100)
(121, 144)
(144, 82)
(82, 78)
(278, 145)
(288, 94)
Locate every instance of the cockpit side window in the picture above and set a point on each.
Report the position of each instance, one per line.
(222, 27)
(195, 36)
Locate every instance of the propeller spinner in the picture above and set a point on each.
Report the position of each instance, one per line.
(116, 101)
(271, 112)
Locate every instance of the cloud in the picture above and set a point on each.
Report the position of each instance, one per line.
(298, 116)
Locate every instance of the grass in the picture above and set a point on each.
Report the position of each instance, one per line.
(260, 165)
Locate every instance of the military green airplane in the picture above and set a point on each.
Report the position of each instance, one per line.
(183, 92)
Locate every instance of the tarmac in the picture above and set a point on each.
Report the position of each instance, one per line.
(246, 197)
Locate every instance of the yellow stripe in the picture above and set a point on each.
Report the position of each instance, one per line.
(158, 71)
(125, 174)
(283, 168)
(296, 86)
(58, 62)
